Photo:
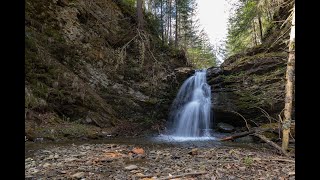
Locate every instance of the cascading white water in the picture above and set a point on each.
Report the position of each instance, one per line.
(191, 109)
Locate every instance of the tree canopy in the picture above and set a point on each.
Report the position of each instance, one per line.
(177, 26)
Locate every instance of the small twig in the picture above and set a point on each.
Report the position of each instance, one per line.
(123, 47)
(278, 38)
(281, 160)
(266, 114)
(243, 119)
(235, 161)
(144, 176)
(183, 175)
(280, 123)
(292, 136)
(147, 46)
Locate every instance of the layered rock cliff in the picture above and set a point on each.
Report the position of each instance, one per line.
(87, 63)
(252, 83)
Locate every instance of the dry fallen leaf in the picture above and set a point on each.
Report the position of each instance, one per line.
(138, 150)
(113, 154)
(291, 173)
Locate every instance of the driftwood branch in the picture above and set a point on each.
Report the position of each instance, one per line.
(183, 175)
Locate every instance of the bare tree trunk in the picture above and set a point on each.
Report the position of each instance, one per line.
(260, 28)
(289, 87)
(269, 15)
(254, 32)
(168, 21)
(170, 18)
(139, 13)
(161, 17)
(177, 22)
(150, 6)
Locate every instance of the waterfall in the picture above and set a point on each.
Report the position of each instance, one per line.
(191, 109)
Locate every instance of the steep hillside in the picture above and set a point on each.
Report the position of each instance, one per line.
(90, 72)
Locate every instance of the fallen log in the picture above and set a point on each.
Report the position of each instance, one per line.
(256, 132)
(238, 135)
(265, 139)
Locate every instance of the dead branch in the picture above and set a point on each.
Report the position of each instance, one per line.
(238, 135)
(265, 139)
(266, 114)
(144, 176)
(278, 38)
(147, 46)
(123, 47)
(183, 175)
(281, 160)
(256, 132)
(243, 119)
(280, 122)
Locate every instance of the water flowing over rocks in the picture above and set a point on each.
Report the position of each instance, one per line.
(191, 109)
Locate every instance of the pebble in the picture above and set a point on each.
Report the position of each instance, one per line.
(193, 151)
(51, 157)
(78, 175)
(46, 165)
(131, 167)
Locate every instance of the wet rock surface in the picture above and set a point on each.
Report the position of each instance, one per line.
(224, 127)
(249, 84)
(114, 161)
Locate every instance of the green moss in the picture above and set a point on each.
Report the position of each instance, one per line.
(55, 34)
(245, 59)
(69, 130)
(275, 74)
(152, 101)
(270, 135)
(247, 160)
(233, 77)
(246, 100)
(30, 44)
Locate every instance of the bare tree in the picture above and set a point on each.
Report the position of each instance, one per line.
(139, 13)
(177, 23)
(260, 27)
(289, 86)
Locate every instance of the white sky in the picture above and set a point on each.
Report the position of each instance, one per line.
(213, 16)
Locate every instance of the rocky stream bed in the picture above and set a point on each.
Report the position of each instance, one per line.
(146, 161)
